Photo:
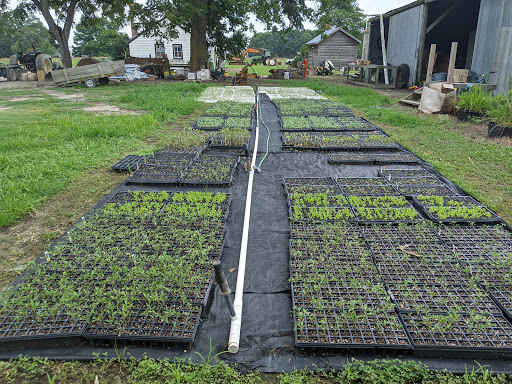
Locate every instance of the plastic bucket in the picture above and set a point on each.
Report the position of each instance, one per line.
(24, 76)
(440, 76)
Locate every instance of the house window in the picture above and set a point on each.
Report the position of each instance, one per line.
(159, 50)
(177, 51)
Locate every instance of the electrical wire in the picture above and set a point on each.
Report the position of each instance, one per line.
(268, 134)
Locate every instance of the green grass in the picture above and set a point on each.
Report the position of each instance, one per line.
(49, 143)
(119, 369)
(483, 169)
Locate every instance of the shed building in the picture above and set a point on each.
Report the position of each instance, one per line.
(336, 45)
(482, 28)
(177, 50)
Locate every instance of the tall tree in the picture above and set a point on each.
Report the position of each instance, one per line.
(31, 30)
(345, 14)
(100, 39)
(60, 15)
(221, 23)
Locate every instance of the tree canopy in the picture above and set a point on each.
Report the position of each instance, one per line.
(282, 43)
(100, 39)
(219, 23)
(60, 16)
(345, 14)
(13, 32)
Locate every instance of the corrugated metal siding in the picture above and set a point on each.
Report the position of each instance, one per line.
(494, 14)
(503, 64)
(404, 39)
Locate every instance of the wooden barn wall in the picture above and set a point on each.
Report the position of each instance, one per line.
(338, 48)
(404, 39)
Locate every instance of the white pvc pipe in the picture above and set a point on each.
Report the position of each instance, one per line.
(236, 322)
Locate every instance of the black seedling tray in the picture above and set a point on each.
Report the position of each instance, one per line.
(319, 249)
(438, 190)
(394, 158)
(338, 127)
(125, 197)
(361, 181)
(309, 181)
(339, 295)
(157, 174)
(403, 234)
(128, 164)
(282, 129)
(329, 329)
(452, 234)
(482, 252)
(302, 148)
(394, 172)
(56, 327)
(362, 218)
(331, 201)
(388, 146)
(311, 231)
(398, 271)
(415, 181)
(181, 328)
(489, 274)
(396, 252)
(502, 296)
(363, 124)
(461, 341)
(306, 214)
(369, 190)
(442, 298)
(431, 216)
(346, 159)
(329, 190)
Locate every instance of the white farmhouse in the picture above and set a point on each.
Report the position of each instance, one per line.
(177, 49)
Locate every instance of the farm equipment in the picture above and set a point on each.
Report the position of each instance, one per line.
(263, 57)
(325, 68)
(32, 62)
(89, 74)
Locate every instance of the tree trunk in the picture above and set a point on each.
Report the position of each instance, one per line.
(65, 55)
(61, 35)
(198, 46)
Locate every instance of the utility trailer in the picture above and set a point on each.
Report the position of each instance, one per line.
(89, 74)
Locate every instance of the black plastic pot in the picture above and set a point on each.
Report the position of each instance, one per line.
(464, 115)
(496, 131)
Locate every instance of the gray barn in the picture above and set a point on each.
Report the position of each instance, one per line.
(482, 28)
(336, 45)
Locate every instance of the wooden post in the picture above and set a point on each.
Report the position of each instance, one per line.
(451, 65)
(431, 61)
(383, 43)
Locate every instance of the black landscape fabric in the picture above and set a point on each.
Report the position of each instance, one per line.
(267, 336)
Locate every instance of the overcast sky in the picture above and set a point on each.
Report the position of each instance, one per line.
(369, 7)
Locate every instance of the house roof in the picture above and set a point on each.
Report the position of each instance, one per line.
(133, 38)
(401, 9)
(329, 32)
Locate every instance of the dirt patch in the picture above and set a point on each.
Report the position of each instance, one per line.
(4, 108)
(22, 243)
(105, 109)
(24, 98)
(64, 96)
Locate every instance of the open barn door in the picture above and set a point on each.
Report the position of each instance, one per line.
(404, 39)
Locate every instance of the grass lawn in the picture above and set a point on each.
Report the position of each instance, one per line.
(483, 168)
(119, 370)
(47, 143)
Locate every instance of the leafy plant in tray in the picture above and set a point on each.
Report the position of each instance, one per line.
(295, 123)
